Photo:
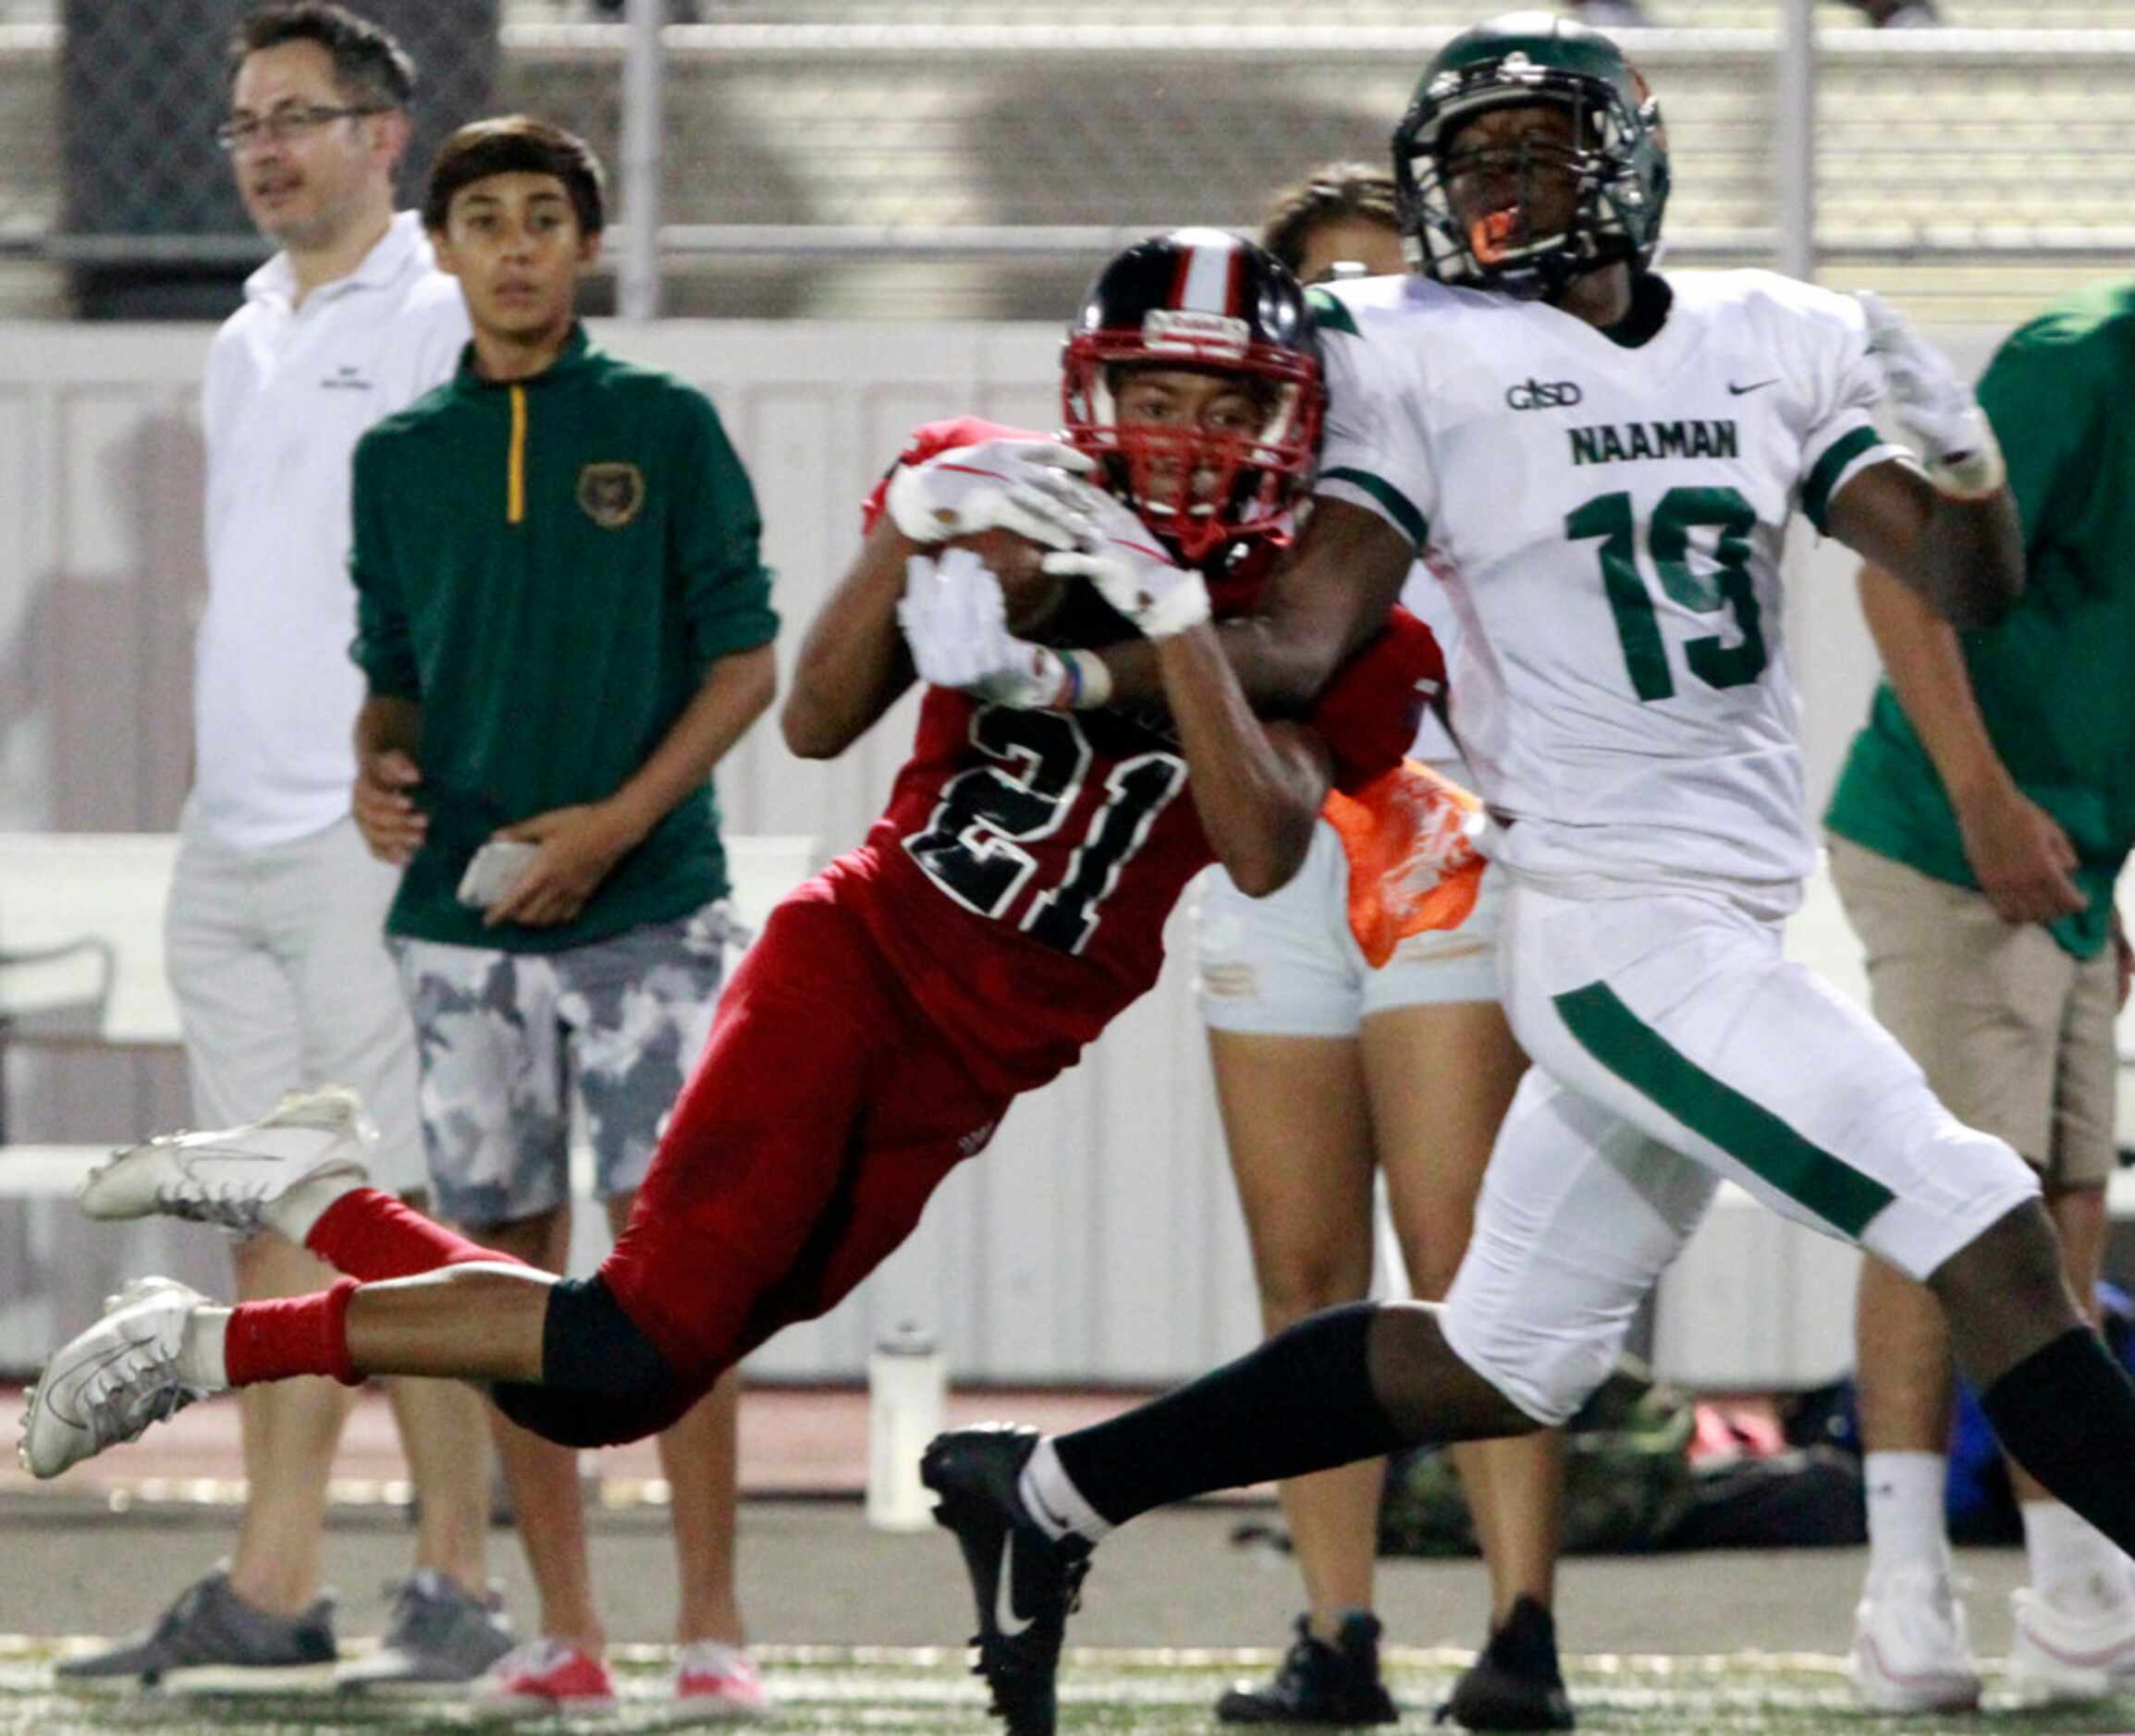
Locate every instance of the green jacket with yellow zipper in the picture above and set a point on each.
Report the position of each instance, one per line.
(549, 566)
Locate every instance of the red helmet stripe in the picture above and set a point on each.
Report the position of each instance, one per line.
(1181, 275)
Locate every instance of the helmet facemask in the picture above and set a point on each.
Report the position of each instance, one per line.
(1198, 488)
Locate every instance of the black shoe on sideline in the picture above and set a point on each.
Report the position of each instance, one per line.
(1320, 1683)
(1515, 1685)
(1025, 1585)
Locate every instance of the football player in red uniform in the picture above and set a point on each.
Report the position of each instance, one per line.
(1009, 903)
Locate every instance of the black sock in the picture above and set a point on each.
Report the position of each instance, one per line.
(2066, 1415)
(1303, 1401)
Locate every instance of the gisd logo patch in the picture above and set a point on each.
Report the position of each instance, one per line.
(611, 494)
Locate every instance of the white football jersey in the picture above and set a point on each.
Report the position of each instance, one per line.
(1608, 522)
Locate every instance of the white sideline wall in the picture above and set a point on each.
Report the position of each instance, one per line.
(1098, 1240)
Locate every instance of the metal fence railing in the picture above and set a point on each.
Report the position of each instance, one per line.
(958, 164)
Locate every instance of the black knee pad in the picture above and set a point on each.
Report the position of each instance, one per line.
(602, 1382)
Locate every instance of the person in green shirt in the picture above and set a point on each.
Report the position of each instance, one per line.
(1981, 819)
(564, 626)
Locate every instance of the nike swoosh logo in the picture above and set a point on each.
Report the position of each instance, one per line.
(1004, 1615)
(1059, 1521)
(1755, 386)
(81, 1382)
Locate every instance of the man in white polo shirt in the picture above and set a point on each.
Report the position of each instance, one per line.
(277, 914)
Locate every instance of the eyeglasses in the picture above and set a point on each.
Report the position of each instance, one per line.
(284, 123)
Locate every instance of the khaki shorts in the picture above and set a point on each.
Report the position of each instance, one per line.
(2014, 1035)
(277, 958)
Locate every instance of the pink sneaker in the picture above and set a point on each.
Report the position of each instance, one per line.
(716, 1681)
(543, 1678)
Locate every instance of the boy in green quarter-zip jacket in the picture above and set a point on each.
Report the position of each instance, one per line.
(564, 626)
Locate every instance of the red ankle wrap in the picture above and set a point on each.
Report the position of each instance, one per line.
(290, 1336)
(371, 1235)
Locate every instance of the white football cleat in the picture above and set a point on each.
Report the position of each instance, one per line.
(2056, 1656)
(1911, 1652)
(228, 1177)
(112, 1381)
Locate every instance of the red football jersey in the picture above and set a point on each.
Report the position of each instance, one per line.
(1020, 878)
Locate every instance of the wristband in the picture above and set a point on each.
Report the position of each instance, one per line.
(1089, 681)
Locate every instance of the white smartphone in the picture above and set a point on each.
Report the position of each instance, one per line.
(494, 870)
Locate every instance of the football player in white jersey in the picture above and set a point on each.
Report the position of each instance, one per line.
(1329, 1071)
(1604, 457)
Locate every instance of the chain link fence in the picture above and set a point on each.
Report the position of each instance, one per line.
(953, 158)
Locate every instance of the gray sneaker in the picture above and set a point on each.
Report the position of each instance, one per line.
(441, 1638)
(211, 1640)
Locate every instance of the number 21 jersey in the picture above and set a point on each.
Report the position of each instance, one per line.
(1608, 520)
(1019, 880)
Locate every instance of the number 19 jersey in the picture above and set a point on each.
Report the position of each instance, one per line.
(1608, 522)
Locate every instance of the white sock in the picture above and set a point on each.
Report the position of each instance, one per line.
(1905, 1512)
(2074, 1565)
(294, 1214)
(200, 1357)
(1055, 1506)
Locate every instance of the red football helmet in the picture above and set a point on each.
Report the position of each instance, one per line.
(1206, 301)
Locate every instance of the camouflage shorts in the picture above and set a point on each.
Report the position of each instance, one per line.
(511, 1043)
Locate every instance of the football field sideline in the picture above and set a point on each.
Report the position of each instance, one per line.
(859, 1631)
(1161, 1691)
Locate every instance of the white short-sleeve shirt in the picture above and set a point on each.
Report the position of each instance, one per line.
(289, 391)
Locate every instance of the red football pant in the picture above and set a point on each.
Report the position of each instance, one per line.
(825, 1111)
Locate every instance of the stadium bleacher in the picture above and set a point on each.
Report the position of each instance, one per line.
(1984, 15)
(837, 158)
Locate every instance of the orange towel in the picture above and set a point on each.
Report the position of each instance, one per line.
(1410, 836)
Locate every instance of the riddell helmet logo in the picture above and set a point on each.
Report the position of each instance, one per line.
(1189, 333)
(1543, 395)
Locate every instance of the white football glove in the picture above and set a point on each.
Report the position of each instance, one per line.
(956, 623)
(1120, 556)
(1027, 486)
(1937, 408)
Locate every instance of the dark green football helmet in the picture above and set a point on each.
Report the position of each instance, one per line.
(1619, 159)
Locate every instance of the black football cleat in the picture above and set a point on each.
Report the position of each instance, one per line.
(1025, 1585)
(1515, 1683)
(1335, 1686)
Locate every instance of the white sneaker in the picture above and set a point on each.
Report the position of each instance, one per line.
(226, 1178)
(2056, 1656)
(112, 1381)
(1911, 1652)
